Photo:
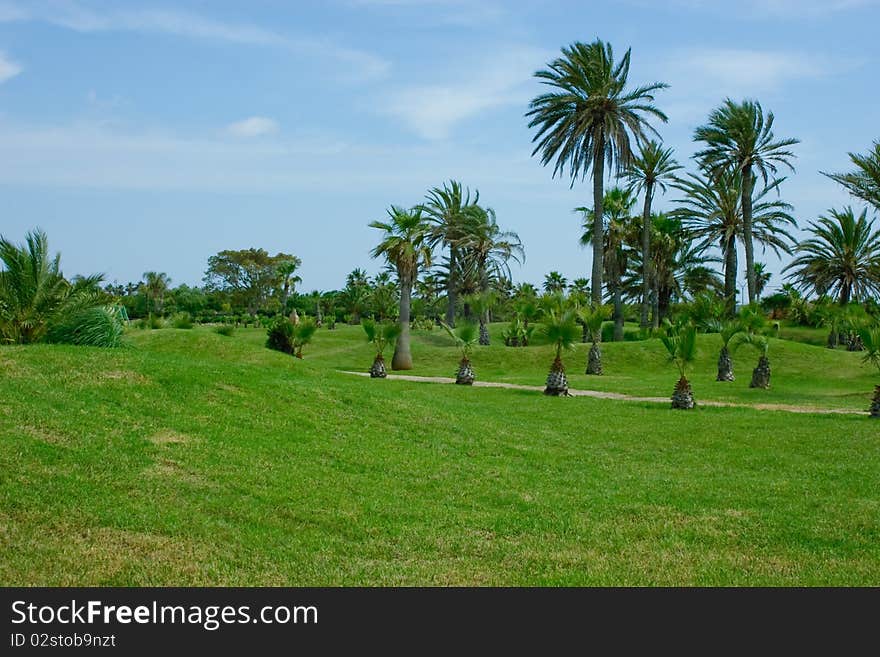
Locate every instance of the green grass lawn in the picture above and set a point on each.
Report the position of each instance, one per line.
(190, 458)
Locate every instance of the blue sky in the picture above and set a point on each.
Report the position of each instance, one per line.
(146, 136)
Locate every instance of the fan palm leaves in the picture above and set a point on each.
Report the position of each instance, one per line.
(562, 332)
(870, 336)
(588, 119)
(380, 335)
(680, 341)
(465, 336)
(405, 245)
(738, 136)
(650, 170)
(842, 257)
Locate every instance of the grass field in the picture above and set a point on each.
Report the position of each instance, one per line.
(192, 458)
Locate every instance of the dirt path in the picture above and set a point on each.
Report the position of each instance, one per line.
(600, 394)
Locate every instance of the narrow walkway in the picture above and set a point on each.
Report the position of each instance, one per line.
(600, 394)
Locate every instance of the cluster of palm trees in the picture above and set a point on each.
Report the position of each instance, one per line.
(478, 260)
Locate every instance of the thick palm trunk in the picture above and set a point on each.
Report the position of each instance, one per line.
(646, 255)
(833, 339)
(730, 265)
(747, 184)
(598, 219)
(402, 359)
(450, 287)
(557, 382)
(725, 366)
(484, 329)
(594, 360)
(465, 375)
(875, 403)
(683, 396)
(761, 374)
(377, 370)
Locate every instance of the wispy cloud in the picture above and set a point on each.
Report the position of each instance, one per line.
(433, 110)
(83, 18)
(254, 126)
(755, 69)
(755, 9)
(8, 68)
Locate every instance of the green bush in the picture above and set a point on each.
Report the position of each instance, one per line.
(280, 335)
(182, 321)
(225, 329)
(95, 327)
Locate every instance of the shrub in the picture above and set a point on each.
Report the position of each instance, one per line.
(280, 335)
(154, 322)
(100, 326)
(182, 321)
(225, 329)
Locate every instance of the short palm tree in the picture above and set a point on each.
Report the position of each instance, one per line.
(592, 318)
(680, 341)
(302, 335)
(405, 246)
(841, 258)
(561, 331)
(380, 335)
(761, 373)
(864, 182)
(871, 340)
(650, 170)
(729, 329)
(482, 304)
(589, 118)
(739, 137)
(465, 336)
(34, 294)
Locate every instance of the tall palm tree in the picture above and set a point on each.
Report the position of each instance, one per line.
(155, 286)
(711, 212)
(864, 182)
(405, 246)
(588, 119)
(762, 277)
(451, 210)
(286, 270)
(555, 283)
(617, 224)
(652, 168)
(841, 258)
(739, 137)
(33, 292)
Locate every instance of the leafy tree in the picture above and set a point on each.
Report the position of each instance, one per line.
(651, 169)
(249, 277)
(864, 182)
(841, 258)
(405, 245)
(588, 119)
(739, 137)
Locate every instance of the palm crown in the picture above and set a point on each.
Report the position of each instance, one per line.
(405, 242)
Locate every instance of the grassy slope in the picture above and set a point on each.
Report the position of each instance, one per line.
(196, 459)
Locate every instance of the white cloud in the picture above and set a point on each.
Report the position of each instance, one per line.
(433, 110)
(758, 9)
(254, 126)
(8, 68)
(81, 18)
(755, 69)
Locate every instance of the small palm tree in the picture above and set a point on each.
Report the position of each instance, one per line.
(302, 335)
(380, 335)
(739, 137)
(680, 341)
(871, 340)
(761, 373)
(592, 317)
(728, 330)
(589, 118)
(482, 305)
(405, 245)
(465, 337)
(561, 330)
(842, 257)
(652, 168)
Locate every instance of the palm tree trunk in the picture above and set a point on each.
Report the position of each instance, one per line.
(725, 365)
(655, 306)
(730, 264)
(450, 287)
(598, 218)
(618, 309)
(484, 330)
(747, 184)
(402, 359)
(646, 255)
